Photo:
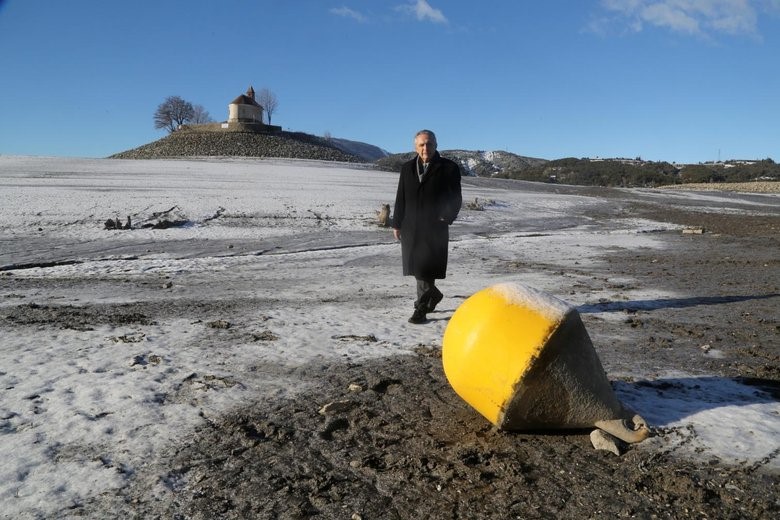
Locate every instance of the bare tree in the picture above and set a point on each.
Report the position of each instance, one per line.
(200, 115)
(172, 113)
(268, 101)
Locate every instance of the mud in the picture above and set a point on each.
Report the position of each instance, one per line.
(397, 443)
(402, 445)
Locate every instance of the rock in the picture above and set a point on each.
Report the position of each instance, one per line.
(336, 407)
(219, 324)
(144, 360)
(383, 215)
(601, 440)
(266, 335)
(133, 337)
(354, 387)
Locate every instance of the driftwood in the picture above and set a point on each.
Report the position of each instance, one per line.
(170, 218)
(116, 224)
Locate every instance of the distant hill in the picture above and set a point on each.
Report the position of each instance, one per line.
(472, 163)
(632, 173)
(367, 152)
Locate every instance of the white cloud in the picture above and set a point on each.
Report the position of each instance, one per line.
(626, 6)
(700, 17)
(423, 11)
(346, 12)
(670, 16)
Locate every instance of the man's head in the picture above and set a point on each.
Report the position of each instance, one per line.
(425, 144)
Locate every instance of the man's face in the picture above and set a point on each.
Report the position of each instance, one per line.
(425, 146)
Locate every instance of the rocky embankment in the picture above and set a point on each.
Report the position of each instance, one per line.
(745, 187)
(292, 145)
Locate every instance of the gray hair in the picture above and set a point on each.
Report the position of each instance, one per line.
(429, 133)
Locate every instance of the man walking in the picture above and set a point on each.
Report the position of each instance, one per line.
(427, 202)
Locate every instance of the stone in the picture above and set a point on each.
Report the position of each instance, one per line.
(219, 324)
(601, 440)
(383, 215)
(336, 407)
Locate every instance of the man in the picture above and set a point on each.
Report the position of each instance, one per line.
(427, 202)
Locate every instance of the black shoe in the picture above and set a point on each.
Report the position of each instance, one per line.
(418, 317)
(434, 300)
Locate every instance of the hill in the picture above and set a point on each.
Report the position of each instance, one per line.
(631, 173)
(194, 143)
(472, 163)
(367, 152)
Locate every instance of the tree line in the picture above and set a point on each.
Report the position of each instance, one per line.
(176, 111)
(630, 174)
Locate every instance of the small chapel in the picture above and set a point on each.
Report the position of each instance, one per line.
(245, 108)
(246, 114)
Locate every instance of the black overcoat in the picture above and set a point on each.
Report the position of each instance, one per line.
(423, 212)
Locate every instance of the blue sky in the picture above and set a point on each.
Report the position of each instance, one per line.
(674, 80)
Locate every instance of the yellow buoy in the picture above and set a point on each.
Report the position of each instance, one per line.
(523, 359)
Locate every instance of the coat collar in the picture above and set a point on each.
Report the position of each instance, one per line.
(434, 159)
(432, 165)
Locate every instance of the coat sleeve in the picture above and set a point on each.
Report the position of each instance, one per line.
(400, 203)
(454, 198)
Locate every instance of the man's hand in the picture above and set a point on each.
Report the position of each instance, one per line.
(397, 234)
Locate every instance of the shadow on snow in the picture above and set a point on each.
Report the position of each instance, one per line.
(667, 400)
(671, 303)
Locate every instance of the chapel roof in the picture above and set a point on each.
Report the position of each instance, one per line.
(243, 99)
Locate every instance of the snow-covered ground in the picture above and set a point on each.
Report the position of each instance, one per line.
(278, 264)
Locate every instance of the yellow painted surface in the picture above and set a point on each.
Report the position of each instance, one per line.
(489, 344)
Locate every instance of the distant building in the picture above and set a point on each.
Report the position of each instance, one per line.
(245, 114)
(245, 109)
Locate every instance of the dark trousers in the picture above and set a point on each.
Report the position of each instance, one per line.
(425, 290)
